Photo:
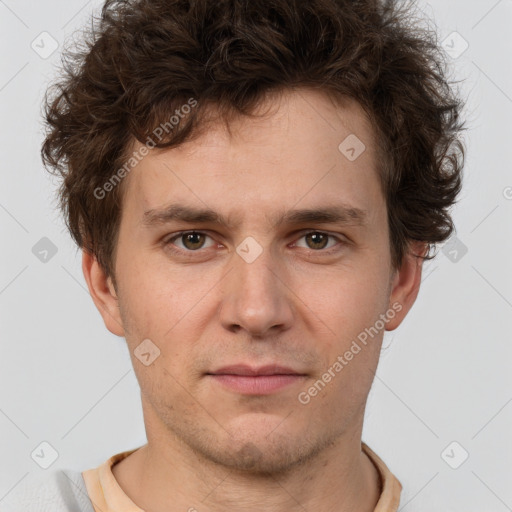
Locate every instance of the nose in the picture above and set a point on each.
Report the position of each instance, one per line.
(256, 297)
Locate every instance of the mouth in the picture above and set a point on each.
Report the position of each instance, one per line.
(263, 380)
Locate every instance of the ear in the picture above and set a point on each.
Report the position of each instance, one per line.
(406, 284)
(103, 293)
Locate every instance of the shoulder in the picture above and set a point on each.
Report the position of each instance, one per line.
(59, 491)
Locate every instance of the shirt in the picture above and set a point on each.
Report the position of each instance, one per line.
(97, 490)
(60, 491)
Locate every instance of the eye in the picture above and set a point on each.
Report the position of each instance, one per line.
(318, 240)
(191, 240)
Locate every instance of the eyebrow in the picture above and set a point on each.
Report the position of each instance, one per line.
(340, 214)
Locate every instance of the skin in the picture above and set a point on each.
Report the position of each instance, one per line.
(212, 448)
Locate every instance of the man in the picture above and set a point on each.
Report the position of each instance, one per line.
(255, 186)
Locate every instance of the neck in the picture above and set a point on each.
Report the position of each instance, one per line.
(170, 476)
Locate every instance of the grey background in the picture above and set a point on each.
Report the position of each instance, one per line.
(444, 375)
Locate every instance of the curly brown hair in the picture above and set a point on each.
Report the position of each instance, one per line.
(143, 59)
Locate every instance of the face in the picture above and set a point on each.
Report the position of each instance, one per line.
(292, 270)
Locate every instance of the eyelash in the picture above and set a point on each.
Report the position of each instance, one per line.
(168, 242)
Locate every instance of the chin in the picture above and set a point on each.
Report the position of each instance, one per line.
(257, 459)
(257, 453)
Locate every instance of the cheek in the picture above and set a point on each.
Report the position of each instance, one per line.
(151, 297)
(168, 308)
(350, 306)
(350, 355)
(350, 301)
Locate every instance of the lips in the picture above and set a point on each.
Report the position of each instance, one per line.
(246, 370)
(250, 380)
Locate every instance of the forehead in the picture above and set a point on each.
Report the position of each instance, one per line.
(304, 149)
